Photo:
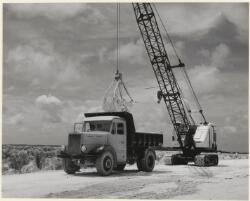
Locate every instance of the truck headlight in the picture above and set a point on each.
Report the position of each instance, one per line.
(63, 148)
(99, 148)
(83, 148)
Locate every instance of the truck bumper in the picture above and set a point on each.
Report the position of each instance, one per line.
(79, 156)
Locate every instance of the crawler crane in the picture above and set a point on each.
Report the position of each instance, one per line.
(195, 141)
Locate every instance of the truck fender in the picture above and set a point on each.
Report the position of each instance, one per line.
(103, 148)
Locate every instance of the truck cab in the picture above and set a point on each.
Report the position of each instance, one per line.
(96, 132)
(108, 141)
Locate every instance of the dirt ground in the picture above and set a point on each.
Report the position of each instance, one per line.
(229, 180)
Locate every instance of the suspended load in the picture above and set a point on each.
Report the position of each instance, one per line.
(117, 97)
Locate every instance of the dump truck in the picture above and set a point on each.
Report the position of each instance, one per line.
(109, 141)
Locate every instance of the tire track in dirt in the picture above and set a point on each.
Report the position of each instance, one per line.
(161, 186)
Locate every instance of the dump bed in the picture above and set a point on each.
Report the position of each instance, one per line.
(137, 139)
(147, 139)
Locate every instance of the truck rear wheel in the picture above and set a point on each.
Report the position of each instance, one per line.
(105, 163)
(147, 163)
(69, 167)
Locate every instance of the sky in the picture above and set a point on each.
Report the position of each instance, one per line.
(59, 59)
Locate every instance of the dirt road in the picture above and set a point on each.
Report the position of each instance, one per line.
(227, 181)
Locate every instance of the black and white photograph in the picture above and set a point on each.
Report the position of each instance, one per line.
(135, 100)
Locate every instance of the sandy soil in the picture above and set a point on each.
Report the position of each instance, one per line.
(229, 180)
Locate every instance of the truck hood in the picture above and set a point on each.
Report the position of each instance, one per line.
(96, 137)
(91, 140)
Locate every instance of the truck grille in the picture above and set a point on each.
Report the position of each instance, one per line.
(74, 144)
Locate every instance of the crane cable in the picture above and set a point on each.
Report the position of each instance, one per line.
(117, 36)
(186, 77)
(177, 56)
(118, 48)
(175, 52)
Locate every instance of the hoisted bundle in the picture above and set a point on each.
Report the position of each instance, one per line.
(117, 98)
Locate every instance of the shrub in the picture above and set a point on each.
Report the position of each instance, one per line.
(30, 167)
(39, 159)
(19, 159)
(26, 158)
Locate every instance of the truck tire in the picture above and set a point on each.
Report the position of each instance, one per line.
(148, 161)
(120, 167)
(105, 163)
(69, 167)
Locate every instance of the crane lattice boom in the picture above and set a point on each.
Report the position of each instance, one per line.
(169, 89)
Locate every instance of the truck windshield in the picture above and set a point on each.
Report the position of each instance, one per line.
(90, 126)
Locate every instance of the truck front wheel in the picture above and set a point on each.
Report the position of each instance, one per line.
(69, 167)
(105, 163)
(147, 163)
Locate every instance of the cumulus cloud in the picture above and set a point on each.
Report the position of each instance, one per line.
(205, 53)
(52, 107)
(38, 65)
(26, 57)
(29, 64)
(50, 11)
(179, 47)
(16, 119)
(133, 52)
(48, 100)
(219, 55)
(188, 21)
(68, 76)
(228, 129)
(206, 77)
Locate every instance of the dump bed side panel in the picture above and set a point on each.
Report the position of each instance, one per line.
(147, 139)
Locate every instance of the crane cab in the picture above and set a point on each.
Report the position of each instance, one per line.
(205, 136)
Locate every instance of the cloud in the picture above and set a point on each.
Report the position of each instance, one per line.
(17, 119)
(68, 76)
(219, 55)
(179, 47)
(228, 129)
(32, 65)
(37, 65)
(132, 52)
(205, 78)
(27, 57)
(52, 106)
(92, 16)
(205, 53)
(48, 100)
(50, 11)
(188, 21)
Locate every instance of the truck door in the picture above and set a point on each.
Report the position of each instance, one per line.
(118, 140)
